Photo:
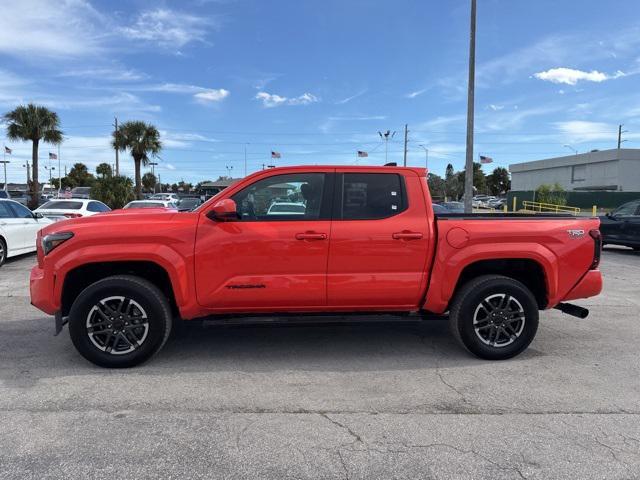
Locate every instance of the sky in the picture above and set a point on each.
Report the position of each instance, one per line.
(317, 80)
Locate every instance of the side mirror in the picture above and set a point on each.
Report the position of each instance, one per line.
(224, 211)
(37, 215)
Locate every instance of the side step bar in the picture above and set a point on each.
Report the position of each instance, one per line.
(573, 310)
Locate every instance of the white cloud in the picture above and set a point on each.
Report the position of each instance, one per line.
(169, 166)
(352, 97)
(571, 76)
(582, 131)
(416, 93)
(496, 108)
(41, 28)
(270, 100)
(105, 73)
(213, 95)
(169, 29)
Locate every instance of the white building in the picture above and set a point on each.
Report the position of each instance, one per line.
(610, 170)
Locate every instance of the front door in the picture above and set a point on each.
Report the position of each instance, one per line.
(11, 228)
(379, 241)
(275, 256)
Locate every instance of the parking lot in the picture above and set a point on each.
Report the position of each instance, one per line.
(353, 401)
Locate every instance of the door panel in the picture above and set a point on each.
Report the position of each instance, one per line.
(11, 229)
(378, 263)
(274, 258)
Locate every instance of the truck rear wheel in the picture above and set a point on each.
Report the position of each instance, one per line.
(120, 321)
(494, 317)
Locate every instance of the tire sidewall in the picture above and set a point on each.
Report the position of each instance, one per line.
(468, 307)
(144, 294)
(3, 256)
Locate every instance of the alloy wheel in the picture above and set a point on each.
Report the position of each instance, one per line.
(117, 325)
(499, 320)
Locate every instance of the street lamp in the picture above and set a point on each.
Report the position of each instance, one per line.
(229, 170)
(426, 155)
(153, 172)
(386, 136)
(571, 148)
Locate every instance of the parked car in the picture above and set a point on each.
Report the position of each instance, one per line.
(72, 208)
(150, 204)
(497, 203)
(286, 208)
(81, 192)
(165, 197)
(439, 209)
(622, 226)
(18, 229)
(187, 204)
(454, 207)
(4, 194)
(367, 250)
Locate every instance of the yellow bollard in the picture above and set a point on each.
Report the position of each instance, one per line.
(504, 208)
(515, 201)
(594, 212)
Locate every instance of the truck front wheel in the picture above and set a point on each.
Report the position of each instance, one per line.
(494, 317)
(120, 321)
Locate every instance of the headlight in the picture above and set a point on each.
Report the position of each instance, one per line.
(49, 242)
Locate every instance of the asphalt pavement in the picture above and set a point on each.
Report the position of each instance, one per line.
(350, 401)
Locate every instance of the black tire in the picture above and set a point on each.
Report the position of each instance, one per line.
(635, 249)
(3, 251)
(132, 343)
(510, 335)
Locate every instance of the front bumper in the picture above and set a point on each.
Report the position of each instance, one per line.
(41, 288)
(589, 286)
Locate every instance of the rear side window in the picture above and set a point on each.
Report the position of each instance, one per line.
(371, 196)
(20, 210)
(97, 207)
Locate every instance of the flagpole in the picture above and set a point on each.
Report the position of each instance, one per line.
(59, 172)
(4, 164)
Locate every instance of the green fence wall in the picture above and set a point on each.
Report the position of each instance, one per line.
(584, 200)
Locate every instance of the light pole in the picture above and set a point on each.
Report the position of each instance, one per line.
(426, 155)
(386, 136)
(245, 159)
(4, 163)
(51, 169)
(153, 172)
(571, 148)
(468, 177)
(229, 170)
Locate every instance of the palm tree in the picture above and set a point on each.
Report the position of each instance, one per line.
(142, 140)
(35, 123)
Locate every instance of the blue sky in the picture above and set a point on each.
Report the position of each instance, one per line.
(317, 80)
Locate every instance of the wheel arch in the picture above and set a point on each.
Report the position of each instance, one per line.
(79, 278)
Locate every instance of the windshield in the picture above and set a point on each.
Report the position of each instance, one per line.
(62, 205)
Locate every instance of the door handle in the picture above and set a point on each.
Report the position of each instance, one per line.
(311, 236)
(406, 235)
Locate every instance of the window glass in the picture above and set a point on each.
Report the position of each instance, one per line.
(5, 211)
(296, 196)
(371, 196)
(97, 207)
(627, 209)
(20, 210)
(62, 205)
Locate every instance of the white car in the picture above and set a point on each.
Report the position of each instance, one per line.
(150, 204)
(166, 197)
(287, 208)
(18, 229)
(72, 208)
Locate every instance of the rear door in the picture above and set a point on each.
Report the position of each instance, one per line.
(265, 261)
(379, 241)
(11, 228)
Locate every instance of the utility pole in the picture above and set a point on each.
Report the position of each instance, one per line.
(153, 172)
(386, 136)
(406, 139)
(160, 183)
(620, 132)
(4, 163)
(115, 126)
(468, 177)
(59, 173)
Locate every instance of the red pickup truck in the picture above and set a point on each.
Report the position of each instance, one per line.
(308, 240)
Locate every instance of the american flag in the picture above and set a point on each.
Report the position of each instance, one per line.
(362, 154)
(7, 150)
(53, 156)
(275, 154)
(484, 159)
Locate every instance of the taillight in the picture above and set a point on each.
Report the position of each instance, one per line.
(72, 215)
(597, 252)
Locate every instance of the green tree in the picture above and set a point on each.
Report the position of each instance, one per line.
(184, 187)
(142, 140)
(498, 182)
(479, 180)
(79, 176)
(34, 123)
(451, 183)
(551, 194)
(115, 191)
(149, 181)
(436, 185)
(104, 170)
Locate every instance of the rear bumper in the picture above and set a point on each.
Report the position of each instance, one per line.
(589, 286)
(41, 289)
